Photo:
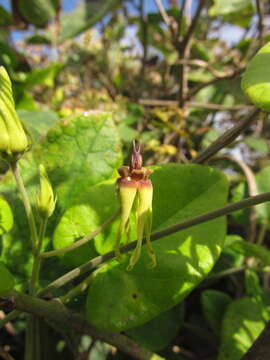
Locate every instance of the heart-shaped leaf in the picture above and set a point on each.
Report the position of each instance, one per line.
(7, 281)
(184, 259)
(79, 152)
(256, 79)
(242, 323)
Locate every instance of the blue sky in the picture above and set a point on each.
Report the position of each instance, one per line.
(230, 34)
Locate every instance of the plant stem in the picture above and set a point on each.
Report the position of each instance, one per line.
(26, 203)
(37, 259)
(226, 272)
(29, 341)
(82, 241)
(77, 290)
(227, 209)
(226, 138)
(55, 312)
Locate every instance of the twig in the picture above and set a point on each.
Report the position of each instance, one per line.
(181, 15)
(163, 13)
(58, 314)
(9, 317)
(71, 275)
(218, 107)
(193, 24)
(226, 272)
(252, 191)
(259, 6)
(82, 241)
(205, 65)
(226, 138)
(201, 86)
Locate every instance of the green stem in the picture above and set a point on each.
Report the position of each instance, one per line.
(29, 342)
(32, 346)
(262, 233)
(55, 312)
(37, 259)
(26, 203)
(250, 201)
(78, 290)
(82, 241)
(29, 353)
(226, 272)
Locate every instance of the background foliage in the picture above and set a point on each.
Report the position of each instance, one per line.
(86, 83)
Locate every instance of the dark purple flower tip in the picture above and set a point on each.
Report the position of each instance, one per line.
(136, 158)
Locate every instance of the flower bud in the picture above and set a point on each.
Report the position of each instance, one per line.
(13, 137)
(45, 198)
(135, 192)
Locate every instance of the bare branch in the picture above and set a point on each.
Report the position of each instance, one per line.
(226, 138)
(56, 313)
(163, 13)
(214, 107)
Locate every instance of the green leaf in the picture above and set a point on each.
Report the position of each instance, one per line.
(263, 185)
(45, 76)
(38, 39)
(37, 12)
(256, 79)
(38, 122)
(242, 324)
(5, 17)
(234, 11)
(6, 217)
(79, 152)
(184, 259)
(214, 304)
(7, 281)
(90, 211)
(84, 16)
(156, 334)
(257, 144)
(248, 249)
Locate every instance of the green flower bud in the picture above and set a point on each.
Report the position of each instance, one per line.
(13, 137)
(135, 192)
(45, 198)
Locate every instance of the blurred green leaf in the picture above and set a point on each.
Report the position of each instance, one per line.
(263, 185)
(5, 17)
(6, 217)
(234, 11)
(257, 144)
(156, 334)
(79, 152)
(214, 304)
(249, 249)
(38, 122)
(37, 12)
(38, 39)
(242, 324)
(85, 16)
(256, 79)
(7, 281)
(183, 258)
(45, 76)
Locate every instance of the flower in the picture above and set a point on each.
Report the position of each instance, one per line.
(135, 192)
